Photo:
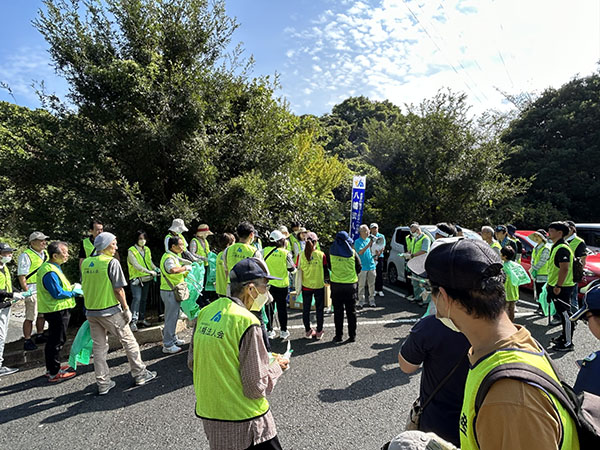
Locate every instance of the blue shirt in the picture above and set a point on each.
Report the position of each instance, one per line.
(439, 349)
(588, 378)
(54, 286)
(366, 259)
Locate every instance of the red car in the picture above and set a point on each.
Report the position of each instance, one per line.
(591, 271)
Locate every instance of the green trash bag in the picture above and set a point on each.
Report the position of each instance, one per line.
(81, 349)
(300, 300)
(548, 307)
(211, 277)
(516, 273)
(195, 282)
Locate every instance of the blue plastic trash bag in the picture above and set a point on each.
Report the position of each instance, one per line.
(81, 349)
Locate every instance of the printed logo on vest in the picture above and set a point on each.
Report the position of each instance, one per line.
(239, 250)
(91, 264)
(463, 423)
(216, 317)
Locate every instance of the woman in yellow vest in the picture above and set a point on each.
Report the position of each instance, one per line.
(200, 248)
(172, 273)
(280, 263)
(141, 273)
(540, 255)
(56, 298)
(344, 264)
(312, 265)
(226, 240)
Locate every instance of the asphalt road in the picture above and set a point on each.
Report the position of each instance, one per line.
(352, 396)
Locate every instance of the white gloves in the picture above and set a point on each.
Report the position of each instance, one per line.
(76, 286)
(17, 296)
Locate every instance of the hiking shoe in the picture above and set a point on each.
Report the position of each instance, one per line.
(61, 376)
(145, 377)
(133, 326)
(284, 334)
(29, 345)
(350, 339)
(104, 389)
(319, 335)
(271, 334)
(7, 370)
(40, 339)
(310, 334)
(562, 347)
(145, 323)
(172, 349)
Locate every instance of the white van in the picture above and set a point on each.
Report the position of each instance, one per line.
(396, 264)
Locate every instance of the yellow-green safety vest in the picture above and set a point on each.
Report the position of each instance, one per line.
(98, 291)
(476, 375)
(313, 274)
(174, 278)
(217, 381)
(146, 260)
(5, 281)
(221, 276)
(237, 252)
(47, 303)
(413, 246)
(343, 269)
(574, 243)
(553, 270)
(277, 265)
(36, 263)
(201, 251)
(536, 254)
(88, 247)
(496, 246)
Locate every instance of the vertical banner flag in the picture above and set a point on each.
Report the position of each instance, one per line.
(359, 183)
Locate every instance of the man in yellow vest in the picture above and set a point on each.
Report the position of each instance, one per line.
(468, 290)
(56, 298)
(487, 234)
(242, 249)
(87, 245)
(7, 298)
(579, 248)
(231, 365)
(103, 280)
(27, 267)
(417, 244)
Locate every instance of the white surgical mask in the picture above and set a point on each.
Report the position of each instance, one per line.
(447, 320)
(142, 242)
(260, 300)
(6, 259)
(414, 234)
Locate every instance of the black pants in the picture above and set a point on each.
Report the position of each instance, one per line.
(562, 303)
(307, 297)
(58, 321)
(379, 275)
(279, 296)
(344, 297)
(271, 444)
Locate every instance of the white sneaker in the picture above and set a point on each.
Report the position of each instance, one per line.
(145, 377)
(271, 334)
(179, 342)
(381, 293)
(284, 334)
(172, 349)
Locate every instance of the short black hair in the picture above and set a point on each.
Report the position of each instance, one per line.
(139, 234)
(508, 252)
(447, 228)
(485, 303)
(173, 241)
(54, 248)
(94, 222)
(226, 239)
(571, 225)
(244, 229)
(296, 224)
(560, 226)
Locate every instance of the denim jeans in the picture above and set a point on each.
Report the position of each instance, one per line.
(171, 317)
(139, 294)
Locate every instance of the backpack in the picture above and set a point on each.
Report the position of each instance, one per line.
(577, 270)
(584, 408)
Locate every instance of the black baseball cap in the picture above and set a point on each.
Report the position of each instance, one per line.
(591, 301)
(250, 269)
(6, 248)
(501, 228)
(457, 263)
(511, 229)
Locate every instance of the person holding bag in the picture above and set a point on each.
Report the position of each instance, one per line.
(173, 291)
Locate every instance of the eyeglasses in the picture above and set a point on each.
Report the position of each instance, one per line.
(266, 286)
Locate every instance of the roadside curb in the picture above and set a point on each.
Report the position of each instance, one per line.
(15, 356)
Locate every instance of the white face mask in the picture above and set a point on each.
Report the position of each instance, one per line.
(142, 242)
(6, 259)
(260, 300)
(447, 320)
(414, 234)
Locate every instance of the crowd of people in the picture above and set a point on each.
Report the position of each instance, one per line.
(470, 287)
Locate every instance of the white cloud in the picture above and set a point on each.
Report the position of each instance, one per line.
(406, 50)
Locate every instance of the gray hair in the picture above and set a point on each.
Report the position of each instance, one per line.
(54, 247)
(487, 229)
(237, 287)
(365, 228)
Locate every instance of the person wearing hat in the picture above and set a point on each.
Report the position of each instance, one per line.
(502, 236)
(86, 246)
(377, 251)
(142, 272)
(298, 240)
(7, 298)
(232, 370)
(579, 248)
(280, 263)
(56, 299)
(560, 283)
(200, 248)
(588, 378)
(540, 255)
(28, 265)
(313, 274)
(242, 249)
(344, 266)
(103, 280)
(417, 244)
(467, 286)
(487, 234)
(444, 230)
(225, 241)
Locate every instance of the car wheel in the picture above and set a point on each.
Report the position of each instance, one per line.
(392, 274)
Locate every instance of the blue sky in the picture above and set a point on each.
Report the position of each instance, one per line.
(401, 50)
